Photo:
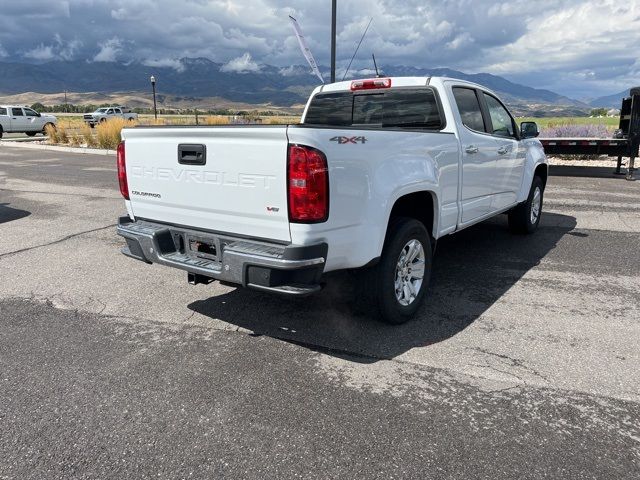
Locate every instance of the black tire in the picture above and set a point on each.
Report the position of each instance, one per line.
(31, 134)
(521, 218)
(378, 284)
(1, 132)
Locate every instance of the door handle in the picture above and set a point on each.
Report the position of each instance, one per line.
(504, 149)
(471, 149)
(192, 154)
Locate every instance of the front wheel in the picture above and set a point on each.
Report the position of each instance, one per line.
(397, 285)
(44, 129)
(525, 217)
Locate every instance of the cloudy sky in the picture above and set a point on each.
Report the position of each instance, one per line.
(579, 48)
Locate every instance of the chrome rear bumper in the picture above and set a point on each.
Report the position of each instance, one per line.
(287, 269)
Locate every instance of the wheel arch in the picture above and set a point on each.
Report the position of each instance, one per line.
(421, 205)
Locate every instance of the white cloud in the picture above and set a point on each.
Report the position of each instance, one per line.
(67, 50)
(176, 64)
(41, 52)
(242, 64)
(109, 50)
(3, 52)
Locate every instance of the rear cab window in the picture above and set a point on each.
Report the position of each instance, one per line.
(412, 108)
(3, 111)
(17, 112)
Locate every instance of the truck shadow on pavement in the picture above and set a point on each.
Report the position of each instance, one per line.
(472, 270)
(9, 214)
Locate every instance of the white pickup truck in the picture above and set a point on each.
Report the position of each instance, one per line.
(377, 171)
(107, 113)
(16, 119)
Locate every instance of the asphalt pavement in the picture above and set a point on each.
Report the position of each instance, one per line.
(523, 364)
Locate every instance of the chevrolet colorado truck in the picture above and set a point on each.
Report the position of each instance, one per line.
(107, 113)
(376, 172)
(16, 119)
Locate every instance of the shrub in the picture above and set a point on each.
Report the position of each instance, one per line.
(57, 134)
(108, 133)
(52, 133)
(215, 120)
(87, 136)
(75, 139)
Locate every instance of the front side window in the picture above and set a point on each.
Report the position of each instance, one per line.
(17, 112)
(500, 118)
(469, 108)
(30, 113)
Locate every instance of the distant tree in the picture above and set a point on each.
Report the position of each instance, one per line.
(598, 112)
(38, 107)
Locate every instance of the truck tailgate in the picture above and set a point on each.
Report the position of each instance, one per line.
(223, 179)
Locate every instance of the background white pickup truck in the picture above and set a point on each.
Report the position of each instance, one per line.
(105, 113)
(377, 171)
(16, 119)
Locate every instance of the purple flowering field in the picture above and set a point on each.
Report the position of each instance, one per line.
(574, 130)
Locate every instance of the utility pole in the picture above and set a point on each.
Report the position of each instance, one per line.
(333, 40)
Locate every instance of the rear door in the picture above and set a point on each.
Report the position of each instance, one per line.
(221, 179)
(18, 120)
(478, 156)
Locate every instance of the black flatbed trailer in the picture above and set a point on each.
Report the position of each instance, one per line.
(626, 143)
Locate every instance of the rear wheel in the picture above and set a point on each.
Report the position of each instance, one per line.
(1, 132)
(525, 217)
(396, 287)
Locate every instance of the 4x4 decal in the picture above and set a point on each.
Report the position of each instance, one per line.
(343, 140)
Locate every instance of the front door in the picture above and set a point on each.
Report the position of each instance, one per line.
(32, 120)
(510, 153)
(478, 156)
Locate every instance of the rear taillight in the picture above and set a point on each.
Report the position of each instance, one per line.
(122, 172)
(371, 84)
(308, 185)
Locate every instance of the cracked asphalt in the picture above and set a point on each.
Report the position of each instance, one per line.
(523, 364)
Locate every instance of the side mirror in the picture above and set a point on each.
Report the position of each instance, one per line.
(529, 130)
(38, 114)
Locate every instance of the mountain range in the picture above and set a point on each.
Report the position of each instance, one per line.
(258, 84)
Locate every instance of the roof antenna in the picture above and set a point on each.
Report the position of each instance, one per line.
(375, 65)
(356, 52)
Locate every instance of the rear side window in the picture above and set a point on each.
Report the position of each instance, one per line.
(3, 111)
(17, 112)
(404, 108)
(469, 108)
